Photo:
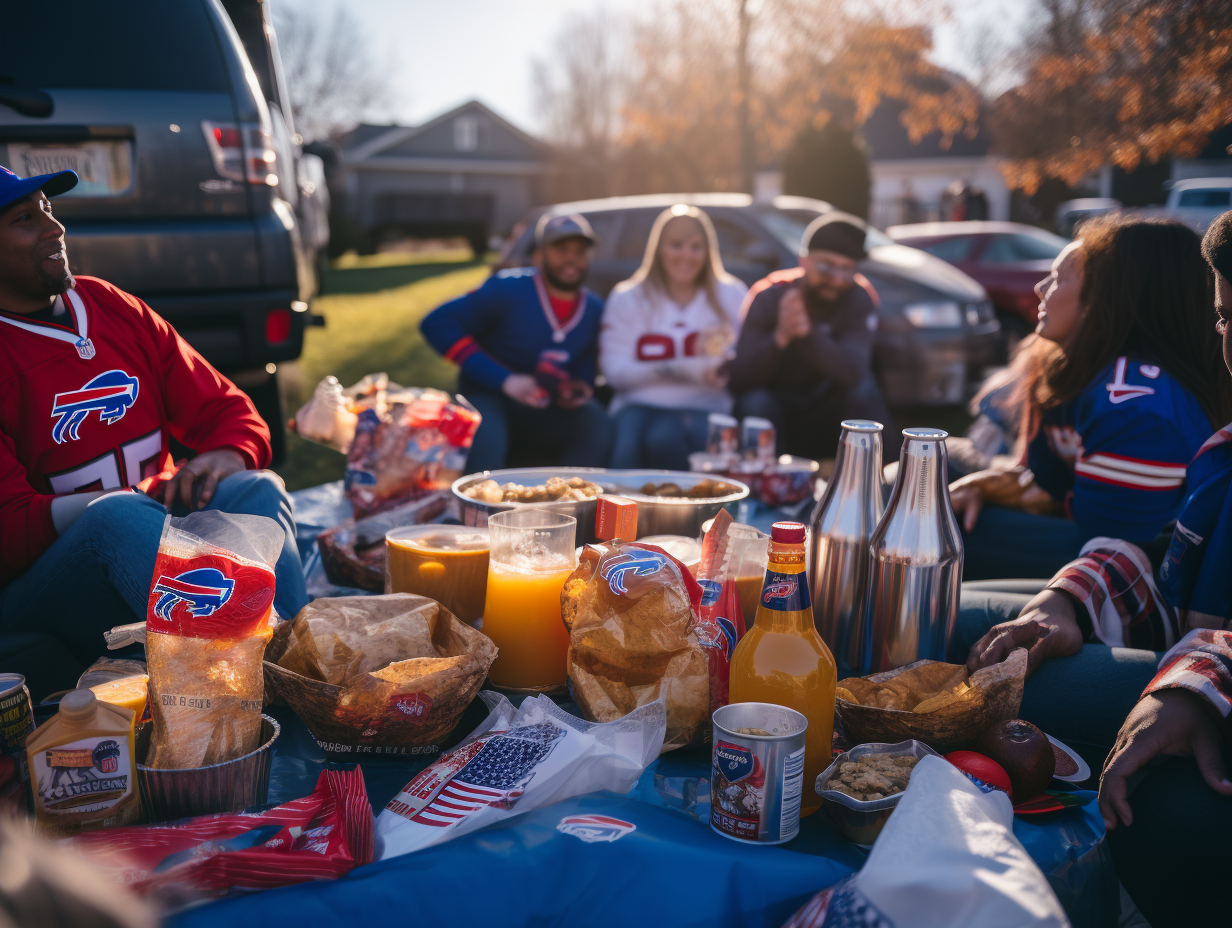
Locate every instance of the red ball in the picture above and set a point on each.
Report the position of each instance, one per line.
(982, 768)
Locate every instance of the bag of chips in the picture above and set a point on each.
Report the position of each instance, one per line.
(631, 611)
(411, 444)
(324, 834)
(720, 619)
(208, 619)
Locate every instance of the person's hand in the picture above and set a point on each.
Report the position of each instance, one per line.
(209, 468)
(716, 377)
(1175, 722)
(967, 502)
(524, 389)
(574, 393)
(1046, 627)
(793, 321)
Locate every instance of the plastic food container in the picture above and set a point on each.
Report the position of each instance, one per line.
(861, 822)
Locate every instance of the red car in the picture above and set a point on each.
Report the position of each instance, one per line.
(1008, 258)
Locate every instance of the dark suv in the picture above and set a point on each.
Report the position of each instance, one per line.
(937, 329)
(188, 161)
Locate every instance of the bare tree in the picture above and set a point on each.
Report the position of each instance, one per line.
(333, 76)
(579, 93)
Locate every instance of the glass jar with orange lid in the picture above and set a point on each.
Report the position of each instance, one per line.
(782, 660)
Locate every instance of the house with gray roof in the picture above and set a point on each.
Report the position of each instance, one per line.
(467, 173)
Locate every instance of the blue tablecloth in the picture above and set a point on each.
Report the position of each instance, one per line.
(670, 870)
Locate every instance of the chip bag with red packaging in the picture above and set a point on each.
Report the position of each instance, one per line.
(720, 619)
(208, 618)
(323, 835)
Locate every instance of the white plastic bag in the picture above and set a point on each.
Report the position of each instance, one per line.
(515, 761)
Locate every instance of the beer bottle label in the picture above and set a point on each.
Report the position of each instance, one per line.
(89, 775)
(785, 592)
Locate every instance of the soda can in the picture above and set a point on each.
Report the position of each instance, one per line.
(723, 434)
(757, 772)
(757, 438)
(16, 724)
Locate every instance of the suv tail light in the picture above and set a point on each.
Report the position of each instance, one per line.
(242, 151)
(277, 326)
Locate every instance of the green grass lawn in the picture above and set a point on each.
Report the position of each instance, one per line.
(372, 306)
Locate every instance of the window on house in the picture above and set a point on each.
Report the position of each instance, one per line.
(466, 133)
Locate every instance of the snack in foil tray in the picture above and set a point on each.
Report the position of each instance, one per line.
(323, 835)
(631, 611)
(207, 622)
(412, 444)
(515, 761)
(353, 553)
(385, 674)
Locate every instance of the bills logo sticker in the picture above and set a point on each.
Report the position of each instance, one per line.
(106, 756)
(204, 591)
(636, 563)
(779, 589)
(111, 395)
(595, 828)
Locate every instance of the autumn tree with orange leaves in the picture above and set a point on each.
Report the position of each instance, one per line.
(1131, 81)
(678, 94)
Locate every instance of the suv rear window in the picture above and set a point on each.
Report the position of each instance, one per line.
(134, 45)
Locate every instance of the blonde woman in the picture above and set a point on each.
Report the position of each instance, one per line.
(665, 340)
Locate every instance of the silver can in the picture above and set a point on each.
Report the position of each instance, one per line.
(16, 725)
(757, 772)
(842, 524)
(916, 556)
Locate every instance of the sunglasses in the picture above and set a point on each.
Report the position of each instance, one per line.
(821, 266)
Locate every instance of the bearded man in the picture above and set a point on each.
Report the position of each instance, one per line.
(804, 356)
(527, 343)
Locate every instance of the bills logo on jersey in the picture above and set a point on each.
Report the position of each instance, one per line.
(1119, 391)
(636, 563)
(595, 828)
(111, 395)
(204, 590)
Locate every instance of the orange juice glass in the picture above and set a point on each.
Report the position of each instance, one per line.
(532, 555)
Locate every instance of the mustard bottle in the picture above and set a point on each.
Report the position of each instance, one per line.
(83, 771)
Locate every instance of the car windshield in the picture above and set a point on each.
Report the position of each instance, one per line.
(788, 225)
(152, 45)
(1023, 246)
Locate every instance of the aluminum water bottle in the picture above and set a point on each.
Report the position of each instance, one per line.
(916, 560)
(842, 524)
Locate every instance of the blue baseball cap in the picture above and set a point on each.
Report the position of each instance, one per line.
(557, 228)
(14, 188)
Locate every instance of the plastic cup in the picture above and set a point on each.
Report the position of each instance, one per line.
(532, 555)
(448, 563)
(750, 553)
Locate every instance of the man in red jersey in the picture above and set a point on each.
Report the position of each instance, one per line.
(93, 385)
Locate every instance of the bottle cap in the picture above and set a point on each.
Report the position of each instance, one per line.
(78, 705)
(788, 533)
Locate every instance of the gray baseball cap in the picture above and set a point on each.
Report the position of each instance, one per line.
(557, 228)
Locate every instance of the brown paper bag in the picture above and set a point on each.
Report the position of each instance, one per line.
(377, 674)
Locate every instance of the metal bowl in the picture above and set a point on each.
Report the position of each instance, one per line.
(861, 822)
(670, 515)
(656, 515)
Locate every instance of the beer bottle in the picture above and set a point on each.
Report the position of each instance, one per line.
(782, 659)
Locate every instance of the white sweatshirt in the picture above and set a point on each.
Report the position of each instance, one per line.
(651, 349)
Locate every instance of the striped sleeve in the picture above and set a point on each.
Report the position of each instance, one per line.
(1201, 662)
(1114, 582)
(1135, 473)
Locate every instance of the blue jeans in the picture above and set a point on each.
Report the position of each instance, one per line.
(533, 437)
(97, 575)
(1012, 543)
(1081, 699)
(647, 436)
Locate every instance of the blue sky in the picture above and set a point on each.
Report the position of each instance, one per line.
(443, 53)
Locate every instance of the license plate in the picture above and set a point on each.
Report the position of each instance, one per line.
(104, 169)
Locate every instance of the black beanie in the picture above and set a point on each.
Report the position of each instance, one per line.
(836, 231)
(1217, 245)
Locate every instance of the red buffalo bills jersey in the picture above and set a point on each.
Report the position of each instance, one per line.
(98, 414)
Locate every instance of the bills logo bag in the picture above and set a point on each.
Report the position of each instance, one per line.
(594, 829)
